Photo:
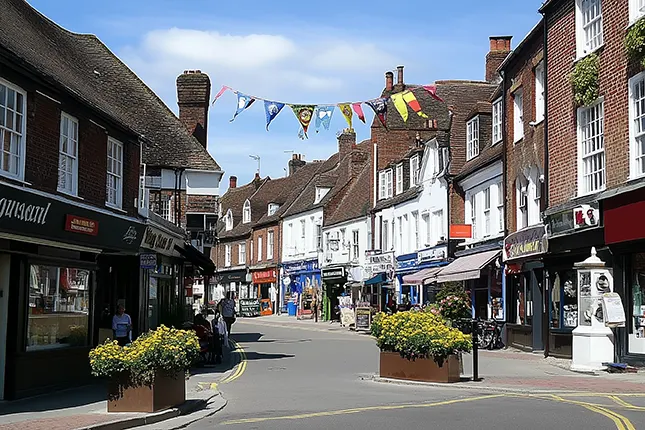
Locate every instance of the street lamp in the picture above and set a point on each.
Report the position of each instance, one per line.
(256, 158)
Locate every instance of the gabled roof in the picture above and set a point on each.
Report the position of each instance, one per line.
(354, 199)
(81, 65)
(233, 200)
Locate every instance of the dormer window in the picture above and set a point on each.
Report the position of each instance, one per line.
(246, 212)
(385, 184)
(229, 220)
(273, 208)
(414, 171)
(472, 138)
(321, 192)
(399, 178)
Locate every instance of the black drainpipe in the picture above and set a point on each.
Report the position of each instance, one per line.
(546, 116)
(449, 181)
(504, 146)
(177, 191)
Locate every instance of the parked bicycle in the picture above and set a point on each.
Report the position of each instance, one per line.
(489, 335)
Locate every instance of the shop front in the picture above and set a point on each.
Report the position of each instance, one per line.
(63, 269)
(236, 282)
(334, 279)
(524, 273)
(378, 284)
(300, 281)
(571, 234)
(624, 234)
(265, 281)
(416, 274)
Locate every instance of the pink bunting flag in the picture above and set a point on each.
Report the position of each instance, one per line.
(222, 91)
(432, 89)
(359, 111)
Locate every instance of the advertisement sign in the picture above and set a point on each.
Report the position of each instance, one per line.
(159, 241)
(527, 242)
(378, 263)
(81, 225)
(301, 266)
(148, 260)
(461, 231)
(438, 253)
(333, 273)
(264, 277)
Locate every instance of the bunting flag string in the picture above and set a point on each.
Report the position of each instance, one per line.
(305, 113)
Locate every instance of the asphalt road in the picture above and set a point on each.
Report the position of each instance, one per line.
(296, 378)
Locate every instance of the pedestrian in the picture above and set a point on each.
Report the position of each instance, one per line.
(314, 307)
(227, 309)
(122, 326)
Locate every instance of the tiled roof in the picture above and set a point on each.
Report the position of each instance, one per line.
(405, 196)
(481, 108)
(234, 200)
(355, 199)
(487, 155)
(83, 66)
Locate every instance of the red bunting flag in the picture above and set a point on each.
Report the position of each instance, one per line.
(359, 111)
(222, 91)
(432, 89)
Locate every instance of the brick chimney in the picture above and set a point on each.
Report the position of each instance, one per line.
(295, 163)
(346, 142)
(193, 98)
(500, 46)
(389, 81)
(232, 182)
(357, 164)
(399, 75)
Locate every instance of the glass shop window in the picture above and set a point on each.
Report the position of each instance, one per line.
(59, 304)
(563, 300)
(521, 303)
(636, 321)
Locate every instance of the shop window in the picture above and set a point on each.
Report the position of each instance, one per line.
(521, 304)
(59, 304)
(563, 299)
(636, 319)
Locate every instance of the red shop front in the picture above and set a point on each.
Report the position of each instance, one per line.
(265, 282)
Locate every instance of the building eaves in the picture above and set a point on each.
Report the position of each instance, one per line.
(537, 30)
(485, 108)
(488, 155)
(405, 196)
(547, 5)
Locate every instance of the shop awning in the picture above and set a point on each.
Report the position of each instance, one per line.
(377, 279)
(467, 267)
(193, 255)
(419, 277)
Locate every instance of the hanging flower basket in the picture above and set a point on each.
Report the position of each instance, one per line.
(635, 42)
(584, 80)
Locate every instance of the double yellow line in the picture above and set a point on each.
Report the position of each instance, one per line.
(620, 421)
(241, 366)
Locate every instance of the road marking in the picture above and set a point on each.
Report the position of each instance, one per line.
(621, 422)
(295, 326)
(241, 366)
(359, 410)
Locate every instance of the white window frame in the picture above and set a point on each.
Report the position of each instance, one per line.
(229, 220)
(539, 92)
(355, 245)
(227, 255)
(473, 214)
(438, 227)
(487, 212)
(19, 136)
(518, 115)
(497, 121)
(415, 168)
(522, 199)
(472, 138)
(246, 212)
(260, 248)
(637, 125)
(399, 242)
(270, 244)
(592, 157)
(399, 178)
(587, 43)
(272, 209)
(385, 235)
(500, 206)
(68, 158)
(113, 163)
(389, 192)
(427, 222)
(241, 253)
(636, 10)
(415, 228)
(382, 186)
(319, 237)
(303, 229)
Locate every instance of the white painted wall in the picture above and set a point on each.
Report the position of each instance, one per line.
(201, 183)
(475, 186)
(345, 252)
(295, 247)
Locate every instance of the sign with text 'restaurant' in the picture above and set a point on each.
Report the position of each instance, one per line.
(77, 224)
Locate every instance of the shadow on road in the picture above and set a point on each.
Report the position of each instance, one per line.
(263, 356)
(246, 337)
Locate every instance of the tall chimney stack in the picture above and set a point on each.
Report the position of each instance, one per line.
(193, 98)
(389, 81)
(500, 46)
(399, 77)
(232, 182)
(295, 163)
(346, 142)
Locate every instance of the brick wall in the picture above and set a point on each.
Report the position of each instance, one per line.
(263, 232)
(615, 71)
(530, 150)
(218, 253)
(193, 95)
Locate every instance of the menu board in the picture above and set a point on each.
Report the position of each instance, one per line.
(363, 318)
(614, 312)
(249, 307)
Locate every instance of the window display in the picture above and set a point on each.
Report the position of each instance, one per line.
(564, 300)
(637, 320)
(521, 311)
(59, 303)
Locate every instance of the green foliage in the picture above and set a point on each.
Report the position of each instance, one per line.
(635, 41)
(451, 289)
(584, 80)
(455, 307)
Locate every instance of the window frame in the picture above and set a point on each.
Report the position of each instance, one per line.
(246, 212)
(272, 209)
(389, 191)
(241, 253)
(270, 244)
(634, 157)
(540, 102)
(227, 255)
(487, 211)
(229, 220)
(582, 45)
(497, 134)
(72, 121)
(259, 248)
(500, 206)
(399, 178)
(22, 143)
(385, 235)
(473, 214)
(518, 115)
(636, 11)
(522, 197)
(415, 226)
(382, 185)
(119, 178)
(355, 244)
(472, 138)
(582, 190)
(415, 169)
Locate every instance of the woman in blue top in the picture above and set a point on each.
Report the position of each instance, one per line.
(122, 326)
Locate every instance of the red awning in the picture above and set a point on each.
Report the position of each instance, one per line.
(421, 276)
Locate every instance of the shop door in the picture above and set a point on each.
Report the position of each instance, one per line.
(5, 261)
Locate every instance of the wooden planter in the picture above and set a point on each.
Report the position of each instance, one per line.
(165, 392)
(393, 366)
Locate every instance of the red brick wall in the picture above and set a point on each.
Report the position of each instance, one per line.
(530, 150)
(614, 74)
(218, 253)
(263, 232)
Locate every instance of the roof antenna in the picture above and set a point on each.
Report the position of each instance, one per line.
(256, 158)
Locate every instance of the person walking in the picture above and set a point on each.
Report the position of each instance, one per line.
(122, 326)
(227, 309)
(314, 307)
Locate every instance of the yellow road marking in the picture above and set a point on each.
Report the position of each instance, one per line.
(621, 402)
(359, 410)
(621, 422)
(241, 366)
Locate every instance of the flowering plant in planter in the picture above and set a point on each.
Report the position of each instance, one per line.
(419, 335)
(166, 350)
(455, 307)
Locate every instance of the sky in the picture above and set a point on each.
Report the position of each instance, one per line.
(300, 53)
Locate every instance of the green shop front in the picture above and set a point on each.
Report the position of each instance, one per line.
(334, 279)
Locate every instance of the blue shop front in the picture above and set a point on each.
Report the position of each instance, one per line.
(416, 274)
(300, 280)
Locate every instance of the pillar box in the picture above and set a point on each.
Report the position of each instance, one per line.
(593, 342)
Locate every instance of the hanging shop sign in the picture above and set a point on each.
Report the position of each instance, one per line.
(438, 253)
(363, 319)
(527, 242)
(264, 277)
(159, 241)
(301, 266)
(333, 273)
(378, 263)
(34, 215)
(148, 260)
(585, 216)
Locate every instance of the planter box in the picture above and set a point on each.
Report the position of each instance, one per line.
(393, 366)
(165, 392)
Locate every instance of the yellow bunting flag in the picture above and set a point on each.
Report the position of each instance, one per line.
(400, 105)
(346, 109)
(412, 101)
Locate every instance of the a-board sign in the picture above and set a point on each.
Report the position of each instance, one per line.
(249, 307)
(363, 318)
(613, 310)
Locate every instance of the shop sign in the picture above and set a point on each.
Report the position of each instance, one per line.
(580, 217)
(333, 273)
(585, 216)
(378, 263)
(148, 260)
(158, 241)
(301, 266)
(264, 277)
(461, 231)
(23, 211)
(406, 264)
(528, 242)
(437, 253)
(236, 276)
(77, 224)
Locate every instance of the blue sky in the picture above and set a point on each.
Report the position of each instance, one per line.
(306, 52)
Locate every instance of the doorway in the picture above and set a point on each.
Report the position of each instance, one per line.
(5, 265)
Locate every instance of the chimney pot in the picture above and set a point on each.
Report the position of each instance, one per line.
(389, 81)
(399, 79)
(232, 182)
(295, 163)
(500, 46)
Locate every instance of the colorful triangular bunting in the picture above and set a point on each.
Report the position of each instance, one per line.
(379, 106)
(304, 113)
(400, 105)
(412, 101)
(323, 116)
(221, 91)
(347, 113)
(243, 102)
(359, 111)
(432, 89)
(272, 109)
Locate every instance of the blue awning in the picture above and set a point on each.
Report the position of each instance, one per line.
(378, 279)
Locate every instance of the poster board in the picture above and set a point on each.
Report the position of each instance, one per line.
(363, 319)
(249, 307)
(613, 310)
